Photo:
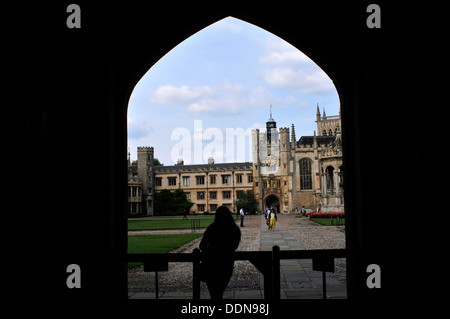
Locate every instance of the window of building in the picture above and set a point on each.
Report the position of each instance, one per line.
(212, 207)
(158, 181)
(172, 181)
(212, 179)
(250, 178)
(185, 180)
(213, 195)
(240, 194)
(305, 174)
(134, 208)
(226, 194)
(226, 179)
(200, 195)
(239, 179)
(201, 207)
(200, 180)
(278, 183)
(188, 195)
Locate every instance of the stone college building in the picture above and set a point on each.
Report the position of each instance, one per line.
(286, 173)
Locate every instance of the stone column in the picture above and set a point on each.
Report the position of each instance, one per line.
(336, 182)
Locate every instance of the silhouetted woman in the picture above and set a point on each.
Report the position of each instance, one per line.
(218, 244)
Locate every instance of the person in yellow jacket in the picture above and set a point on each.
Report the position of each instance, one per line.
(273, 219)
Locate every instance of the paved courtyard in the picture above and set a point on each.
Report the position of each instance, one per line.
(297, 279)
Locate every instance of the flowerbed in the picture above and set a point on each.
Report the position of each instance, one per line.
(325, 214)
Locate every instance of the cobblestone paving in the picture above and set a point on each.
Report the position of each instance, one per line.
(246, 282)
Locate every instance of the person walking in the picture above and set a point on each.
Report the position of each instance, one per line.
(218, 244)
(273, 220)
(267, 215)
(303, 211)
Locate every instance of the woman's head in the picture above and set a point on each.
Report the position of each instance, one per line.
(223, 216)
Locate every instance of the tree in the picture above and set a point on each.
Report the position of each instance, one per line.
(168, 203)
(247, 201)
(156, 162)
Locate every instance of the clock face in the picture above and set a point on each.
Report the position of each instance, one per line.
(270, 160)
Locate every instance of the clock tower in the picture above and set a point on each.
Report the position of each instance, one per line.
(271, 127)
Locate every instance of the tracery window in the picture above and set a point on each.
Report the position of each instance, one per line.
(305, 174)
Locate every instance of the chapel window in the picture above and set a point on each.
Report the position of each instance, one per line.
(305, 174)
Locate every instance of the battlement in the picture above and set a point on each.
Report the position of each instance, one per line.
(145, 148)
(284, 129)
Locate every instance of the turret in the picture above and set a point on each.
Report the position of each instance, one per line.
(145, 172)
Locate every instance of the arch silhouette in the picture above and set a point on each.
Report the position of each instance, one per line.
(314, 41)
(322, 60)
(76, 108)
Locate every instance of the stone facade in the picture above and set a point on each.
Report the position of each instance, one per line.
(285, 173)
(141, 189)
(289, 174)
(207, 185)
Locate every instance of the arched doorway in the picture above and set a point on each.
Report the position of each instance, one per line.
(274, 202)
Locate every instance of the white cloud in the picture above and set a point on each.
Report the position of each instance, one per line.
(286, 67)
(172, 95)
(301, 80)
(286, 57)
(226, 98)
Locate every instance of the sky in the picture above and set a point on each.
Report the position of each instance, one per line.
(203, 98)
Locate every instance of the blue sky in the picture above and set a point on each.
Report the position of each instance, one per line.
(201, 96)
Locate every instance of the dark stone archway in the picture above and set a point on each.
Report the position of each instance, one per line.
(274, 202)
(65, 130)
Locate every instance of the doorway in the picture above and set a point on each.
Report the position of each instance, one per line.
(273, 201)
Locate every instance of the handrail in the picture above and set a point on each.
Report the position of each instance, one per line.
(267, 262)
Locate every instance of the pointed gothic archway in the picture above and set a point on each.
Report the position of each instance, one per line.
(335, 62)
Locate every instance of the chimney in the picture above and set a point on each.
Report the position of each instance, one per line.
(210, 160)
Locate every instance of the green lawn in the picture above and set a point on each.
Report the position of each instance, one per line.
(168, 223)
(327, 221)
(157, 243)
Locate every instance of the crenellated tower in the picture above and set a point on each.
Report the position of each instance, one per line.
(145, 172)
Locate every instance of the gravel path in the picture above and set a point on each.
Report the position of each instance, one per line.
(245, 275)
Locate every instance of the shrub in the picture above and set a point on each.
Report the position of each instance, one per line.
(325, 214)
